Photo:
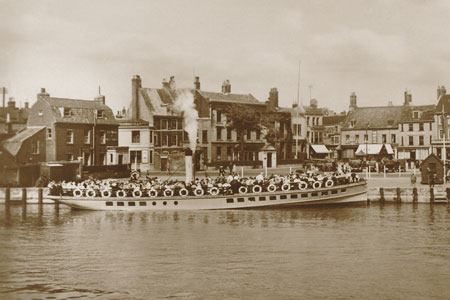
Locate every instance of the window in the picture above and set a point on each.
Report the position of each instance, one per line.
(173, 124)
(357, 138)
(204, 136)
(136, 136)
(35, 147)
(69, 136)
(219, 116)
(384, 138)
(258, 132)
(135, 156)
(101, 160)
(151, 136)
(163, 124)
(229, 153)
(69, 156)
(219, 133)
(87, 136)
(229, 131)
(111, 158)
(40, 113)
(347, 138)
(393, 138)
(366, 138)
(401, 127)
(431, 126)
(416, 115)
(249, 134)
(180, 124)
(150, 156)
(431, 139)
(402, 142)
(352, 123)
(164, 140)
(67, 111)
(100, 114)
(411, 140)
(49, 133)
(421, 140)
(102, 137)
(410, 127)
(219, 153)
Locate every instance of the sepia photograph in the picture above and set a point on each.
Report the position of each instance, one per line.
(224, 149)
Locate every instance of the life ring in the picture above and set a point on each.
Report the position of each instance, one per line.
(214, 191)
(152, 193)
(243, 189)
(302, 185)
(90, 193)
(77, 192)
(286, 187)
(168, 192)
(106, 193)
(317, 185)
(183, 192)
(257, 189)
(329, 183)
(272, 188)
(198, 192)
(137, 193)
(121, 194)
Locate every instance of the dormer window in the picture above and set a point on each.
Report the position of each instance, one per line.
(352, 123)
(390, 122)
(100, 114)
(416, 114)
(40, 113)
(67, 111)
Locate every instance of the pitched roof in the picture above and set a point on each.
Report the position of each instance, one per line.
(233, 98)
(374, 117)
(82, 111)
(443, 100)
(14, 143)
(427, 113)
(333, 120)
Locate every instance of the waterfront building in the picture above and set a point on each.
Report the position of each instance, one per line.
(165, 137)
(415, 132)
(332, 134)
(75, 129)
(299, 129)
(21, 156)
(370, 132)
(441, 132)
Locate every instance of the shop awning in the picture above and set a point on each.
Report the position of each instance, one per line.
(320, 149)
(373, 149)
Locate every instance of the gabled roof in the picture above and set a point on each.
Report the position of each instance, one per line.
(82, 111)
(374, 117)
(14, 143)
(231, 98)
(443, 100)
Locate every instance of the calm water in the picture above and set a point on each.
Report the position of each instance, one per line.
(340, 252)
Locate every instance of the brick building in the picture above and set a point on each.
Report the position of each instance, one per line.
(75, 128)
(12, 118)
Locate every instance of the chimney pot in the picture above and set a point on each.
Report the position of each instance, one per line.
(197, 83)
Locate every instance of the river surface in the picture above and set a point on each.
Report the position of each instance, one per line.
(330, 252)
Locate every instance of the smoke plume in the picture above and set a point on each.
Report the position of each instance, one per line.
(184, 102)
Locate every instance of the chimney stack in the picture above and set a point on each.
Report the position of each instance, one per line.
(408, 98)
(197, 83)
(100, 99)
(188, 164)
(313, 103)
(27, 105)
(11, 103)
(226, 87)
(136, 85)
(172, 85)
(353, 103)
(273, 99)
(441, 91)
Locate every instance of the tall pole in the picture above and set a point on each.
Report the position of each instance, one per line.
(4, 92)
(296, 113)
(444, 129)
(93, 136)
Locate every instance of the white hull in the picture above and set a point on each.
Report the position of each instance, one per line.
(355, 192)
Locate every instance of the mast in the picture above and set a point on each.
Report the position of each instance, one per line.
(296, 112)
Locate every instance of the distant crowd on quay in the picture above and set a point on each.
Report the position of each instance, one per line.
(221, 185)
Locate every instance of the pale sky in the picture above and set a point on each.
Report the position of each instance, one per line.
(374, 48)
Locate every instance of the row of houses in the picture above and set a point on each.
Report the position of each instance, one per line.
(152, 133)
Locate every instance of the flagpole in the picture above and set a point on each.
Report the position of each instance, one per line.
(296, 109)
(444, 129)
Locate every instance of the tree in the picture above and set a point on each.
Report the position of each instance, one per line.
(242, 117)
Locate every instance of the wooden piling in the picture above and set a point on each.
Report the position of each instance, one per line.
(40, 196)
(448, 194)
(24, 196)
(415, 195)
(7, 196)
(431, 195)
(398, 199)
(382, 195)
